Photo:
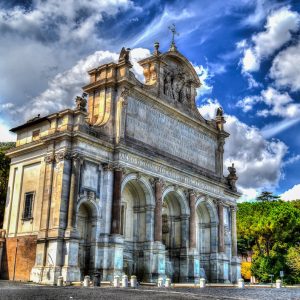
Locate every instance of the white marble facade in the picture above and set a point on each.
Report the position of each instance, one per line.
(140, 189)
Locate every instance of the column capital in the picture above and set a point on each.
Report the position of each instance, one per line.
(49, 158)
(155, 180)
(107, 167)
(233, 208)
(189, 192)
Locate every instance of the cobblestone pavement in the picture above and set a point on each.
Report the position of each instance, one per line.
(16, 291)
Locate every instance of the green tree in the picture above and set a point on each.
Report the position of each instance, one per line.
(4, 173)
(267, 196)
(268, 230)
(293, 259)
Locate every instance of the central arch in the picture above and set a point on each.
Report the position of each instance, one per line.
(207, 235)
(174, 235)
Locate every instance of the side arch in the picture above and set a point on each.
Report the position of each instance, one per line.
(144, 183)
(207, 233)
(180, 196)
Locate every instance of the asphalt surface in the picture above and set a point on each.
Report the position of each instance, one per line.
(16, 291)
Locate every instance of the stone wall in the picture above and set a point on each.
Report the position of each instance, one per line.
(18, 257)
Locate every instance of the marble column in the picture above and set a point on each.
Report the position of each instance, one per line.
(116, 205)
(233, 232)
(192, 227)
(221, 227)
(158, 210)
(73, 191)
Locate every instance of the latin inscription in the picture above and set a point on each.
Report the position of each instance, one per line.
(171, 174)
(150, 126)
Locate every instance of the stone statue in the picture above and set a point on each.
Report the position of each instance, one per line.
(179, 83)
(81, 102)
(220, 112)
(232, 178)
(124, 55)
(220, 120)
(168, 86)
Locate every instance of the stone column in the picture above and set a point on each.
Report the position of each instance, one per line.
(116, 205)
(233, 231)
(158, 210)
(73, 191)
(192, 203)
(149, 222)
(221, 227)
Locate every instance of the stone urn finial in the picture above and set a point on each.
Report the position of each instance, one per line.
(156, 48)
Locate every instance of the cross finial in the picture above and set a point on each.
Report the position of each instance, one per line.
(172, 28)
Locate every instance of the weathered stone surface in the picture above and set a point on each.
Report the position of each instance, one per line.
(133, 186)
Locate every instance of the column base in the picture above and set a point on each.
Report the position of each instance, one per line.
(111, 250)
(219, 268)
(157, 261)
(235, 269)
(71, 273)
(46, 275)
(194, 267)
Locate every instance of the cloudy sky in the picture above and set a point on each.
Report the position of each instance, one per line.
(246, 52)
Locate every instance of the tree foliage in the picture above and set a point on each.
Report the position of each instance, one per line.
(267, 230)
(293, 259)
(246, 270)
(267, 196)
(4, 173)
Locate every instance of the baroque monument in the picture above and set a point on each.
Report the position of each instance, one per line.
(129, 182)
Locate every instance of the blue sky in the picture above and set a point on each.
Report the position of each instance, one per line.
(246, 52)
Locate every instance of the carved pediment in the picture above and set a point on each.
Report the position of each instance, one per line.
(171, 77)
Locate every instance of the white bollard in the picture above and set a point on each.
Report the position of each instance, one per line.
(133, 281)
(116, 281)
(124, 281)
(168, 282)
(241, 283)
(278, 284)
(86, 281)
(202, 283)
(160, 282)
(60, 281)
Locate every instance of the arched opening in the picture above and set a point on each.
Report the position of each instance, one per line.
(86, 250)
(171, 234)
(133, 228)
(206, 237)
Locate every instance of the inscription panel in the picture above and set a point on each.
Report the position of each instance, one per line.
(152, 127)
(147, 166)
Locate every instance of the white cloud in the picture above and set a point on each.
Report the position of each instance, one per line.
(292, 160)
(63, 88)
(278, 104)
(209, 108)
(291, 194)
(44, 41)
(280, 24)
(248, 103)
(262, 9)
(250, 61)
(136, 55)
(285, 69)
(204, 76)
(258, 161)
(5, 134)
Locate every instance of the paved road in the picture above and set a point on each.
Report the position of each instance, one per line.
(16, 291)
